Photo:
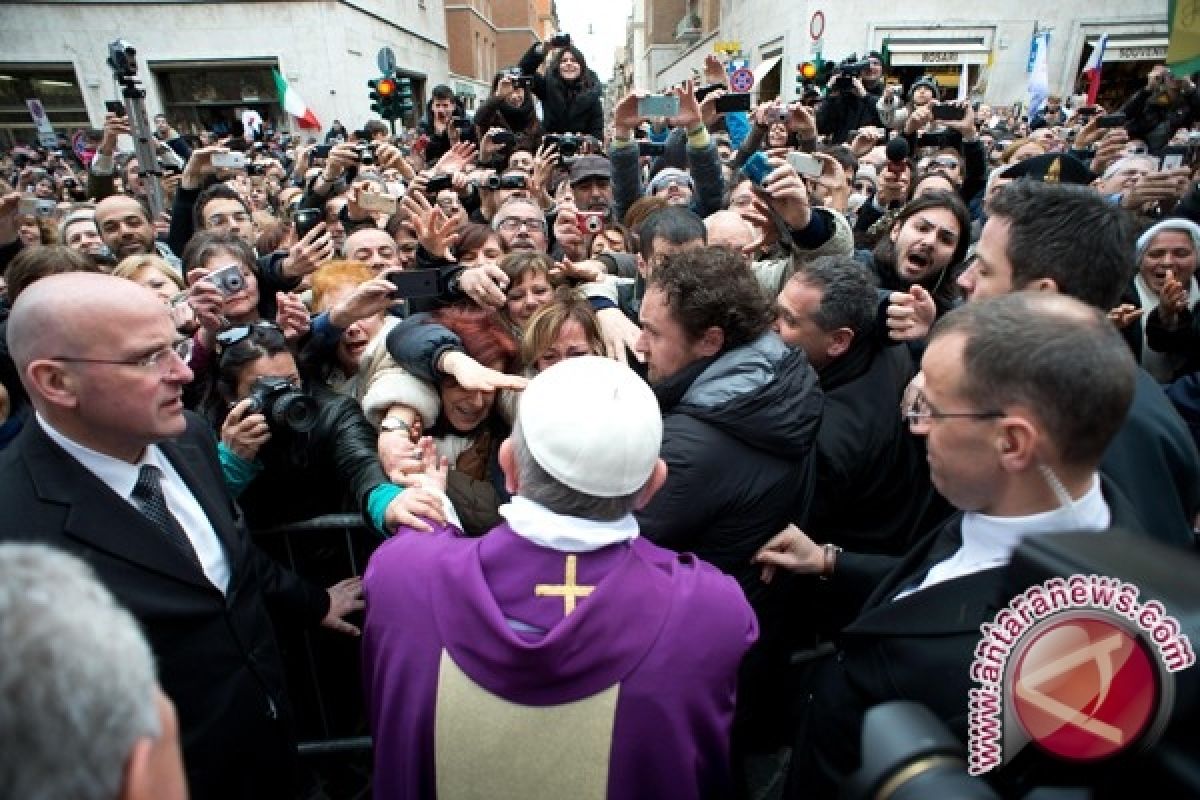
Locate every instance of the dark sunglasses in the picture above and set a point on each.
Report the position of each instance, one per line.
(236, 335)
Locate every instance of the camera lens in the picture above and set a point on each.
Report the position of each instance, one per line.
(294, 411)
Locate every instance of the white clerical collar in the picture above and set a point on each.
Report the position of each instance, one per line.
(545, 528)
(989, 541)
(118, 475)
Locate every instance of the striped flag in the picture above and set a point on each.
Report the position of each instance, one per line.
(294, 104)
(1091, 70)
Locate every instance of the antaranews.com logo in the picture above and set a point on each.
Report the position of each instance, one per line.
(1077, 666)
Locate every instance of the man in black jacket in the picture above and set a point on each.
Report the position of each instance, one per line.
(1060, 238)
(872, 491)
(113, 470)
(1022, 395)
(740, 416)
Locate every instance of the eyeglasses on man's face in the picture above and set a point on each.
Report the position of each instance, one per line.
(159, 360)
(514, 224)
(920, 412)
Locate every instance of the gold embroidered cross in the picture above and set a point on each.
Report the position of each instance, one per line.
(568, 590)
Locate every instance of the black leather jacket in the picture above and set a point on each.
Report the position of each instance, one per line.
(330, 469)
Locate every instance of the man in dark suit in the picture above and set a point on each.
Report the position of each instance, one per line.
(1068, 239)
(1022, 395)
(113, 470)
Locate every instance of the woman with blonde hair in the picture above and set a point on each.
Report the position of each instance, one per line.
(153, 272)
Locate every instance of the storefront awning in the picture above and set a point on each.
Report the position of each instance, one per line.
(1150, 47)
(762, 69)
(935, 53)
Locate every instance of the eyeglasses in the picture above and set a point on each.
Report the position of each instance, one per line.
(514, 224)
(158, 360)
(944, 163)
(920, 412)
(224, 219)
(232, 336)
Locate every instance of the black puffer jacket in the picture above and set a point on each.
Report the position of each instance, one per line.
(328, 470)
(873, 492)
(739, 435)
(566, 107)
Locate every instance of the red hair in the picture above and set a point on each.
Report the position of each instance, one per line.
(484, 336)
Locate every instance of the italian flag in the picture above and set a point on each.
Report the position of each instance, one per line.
(294, 104)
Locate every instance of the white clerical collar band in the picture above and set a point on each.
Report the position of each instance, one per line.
(566, 534)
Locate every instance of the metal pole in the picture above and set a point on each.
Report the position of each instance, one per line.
(122, 57)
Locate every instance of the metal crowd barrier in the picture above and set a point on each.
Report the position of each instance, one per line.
(323, 668)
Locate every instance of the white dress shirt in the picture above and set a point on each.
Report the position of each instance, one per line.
(990, 541)
(121, 477)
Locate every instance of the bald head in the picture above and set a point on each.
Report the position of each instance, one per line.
(63, 313)
(729, 229)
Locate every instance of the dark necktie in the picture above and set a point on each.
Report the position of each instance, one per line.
(148, 495)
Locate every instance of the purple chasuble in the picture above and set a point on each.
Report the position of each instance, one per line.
(629, 695)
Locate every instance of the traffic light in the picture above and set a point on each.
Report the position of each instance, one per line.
(403, 98)
(805, 72)
(383, 93)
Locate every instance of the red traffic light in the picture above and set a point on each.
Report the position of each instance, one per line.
(808, 70)
(386, 87)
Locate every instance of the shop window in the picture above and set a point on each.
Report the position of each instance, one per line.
(213, 97)
(54, 85)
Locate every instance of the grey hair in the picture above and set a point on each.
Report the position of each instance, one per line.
(545, 490)
(77, 681)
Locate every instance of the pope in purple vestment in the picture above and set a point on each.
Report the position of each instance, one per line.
(559, 655)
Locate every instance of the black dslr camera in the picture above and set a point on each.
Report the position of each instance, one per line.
(519, 80)
(285, 407)
(506, 182)
(568, 144)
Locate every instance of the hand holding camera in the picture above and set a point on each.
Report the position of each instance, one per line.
(343, 156)
(567, 232)
(367, 299)
(920, 118)
(626, 116)
(785, 192)
(245, 430)
(114, 126)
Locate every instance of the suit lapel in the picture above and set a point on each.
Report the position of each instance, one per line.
(953, 606)
(184, 455)
(97, 516)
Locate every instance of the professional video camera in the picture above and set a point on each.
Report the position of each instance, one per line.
(122, 58)
(849, 69)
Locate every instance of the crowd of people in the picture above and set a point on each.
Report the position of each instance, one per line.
(683, 441)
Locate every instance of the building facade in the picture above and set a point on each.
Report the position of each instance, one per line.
(471, 35)
(489, 35)
(204, 63)
(987, 45)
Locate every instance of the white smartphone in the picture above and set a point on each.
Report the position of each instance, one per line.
(806, 165)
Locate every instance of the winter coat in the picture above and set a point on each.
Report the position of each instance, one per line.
(739, 433)
(565, 109)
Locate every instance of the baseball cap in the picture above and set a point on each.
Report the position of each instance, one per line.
(585, 167)
(592, 424)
